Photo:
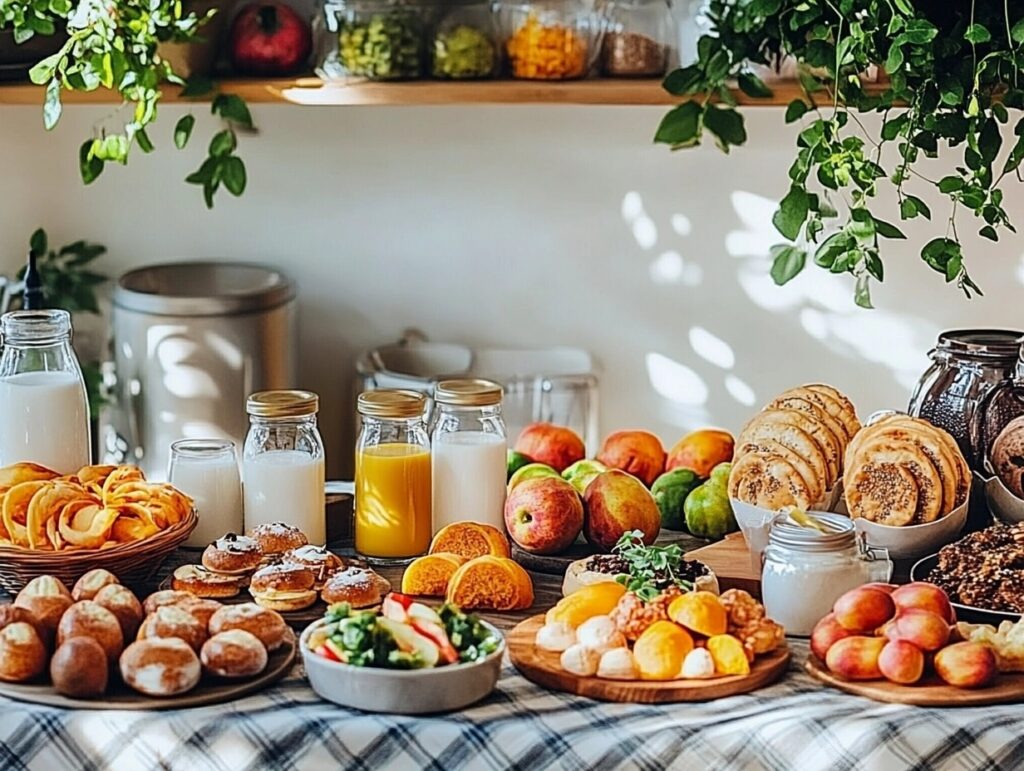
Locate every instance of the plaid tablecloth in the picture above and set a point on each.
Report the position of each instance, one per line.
(795, 724)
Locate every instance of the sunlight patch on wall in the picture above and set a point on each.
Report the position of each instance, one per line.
(681, 224)
(712, 348)
(632, 206)
(1020, 270)
(675, 381)
(668, 268)
(645, 232)
(740, 391)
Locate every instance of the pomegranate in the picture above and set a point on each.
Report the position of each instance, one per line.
(269, 39)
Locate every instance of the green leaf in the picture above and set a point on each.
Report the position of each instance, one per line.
(1017, 33)
(862, 292)
(234, 175)
(892, 128)
(143, 140)
(795, 110)
(683, 81)
(953, 267)
(43, 71)
(37, 243)
(51, 105)
(886, 230)
(787, 262)
(681, 125)
(717, 67)
(196, 86)
(726, 125)
(89, 165)
(753, 86)
(792, 213)
(950, 184)
(233, 108)
(989, 141)
(183, 130)
(874, 265)
(989, 232)
(977, 33)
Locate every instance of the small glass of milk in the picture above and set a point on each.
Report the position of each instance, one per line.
(207, 471)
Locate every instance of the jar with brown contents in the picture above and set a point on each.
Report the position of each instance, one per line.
(640, 39)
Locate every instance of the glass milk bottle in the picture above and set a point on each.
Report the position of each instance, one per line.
(392, 522)
(206, 470)
(283, 465)
(469, 453)
(42, 393)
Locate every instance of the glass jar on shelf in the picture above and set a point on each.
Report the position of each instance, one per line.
(551, 39)
(463, 44)
(640, 39)
(372, 39)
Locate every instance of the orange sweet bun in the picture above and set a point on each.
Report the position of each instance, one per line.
(429, 576)
(471, 540)
(491, 583)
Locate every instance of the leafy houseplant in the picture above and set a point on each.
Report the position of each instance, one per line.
(955, 71)
(113, 44)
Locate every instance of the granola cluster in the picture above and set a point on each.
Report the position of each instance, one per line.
(985, 569)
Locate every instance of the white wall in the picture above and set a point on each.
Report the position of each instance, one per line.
(517, 226)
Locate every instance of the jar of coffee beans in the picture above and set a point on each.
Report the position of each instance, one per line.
(640, 39)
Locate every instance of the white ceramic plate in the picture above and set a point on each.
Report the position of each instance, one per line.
(402, 691)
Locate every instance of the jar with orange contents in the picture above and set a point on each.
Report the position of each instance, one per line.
(551, 39)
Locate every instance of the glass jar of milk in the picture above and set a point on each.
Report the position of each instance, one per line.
(469, 453)
(206, 470)
(806, 569)
(283, 465)
(42, 393)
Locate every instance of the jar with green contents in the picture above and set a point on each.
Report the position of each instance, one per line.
(376, 40)
(463, 45)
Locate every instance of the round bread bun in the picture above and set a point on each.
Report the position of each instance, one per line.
(87, 587)
(161, 666)
(266, 624)
(45, 586)
(174, 621)
(47, 610)
(283, 587)
(166, 597)
(277, 537)
(359, 587)
(123, 603)
(79, 668)
(232, 555)
(234, 653)
(320, 559)
(202, 582)
(22, 652)
(200, 609)
(12, 614)
(90, 619)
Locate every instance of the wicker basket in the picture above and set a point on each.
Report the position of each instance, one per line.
(134, 564)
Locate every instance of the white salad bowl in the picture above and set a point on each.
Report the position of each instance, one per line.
(402, 691)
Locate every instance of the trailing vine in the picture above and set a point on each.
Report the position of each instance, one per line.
(953, 76)
(114, 44)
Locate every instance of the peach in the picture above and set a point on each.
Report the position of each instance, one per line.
(926, 630)
(636, 452)
(901, 662)
(701, 451)
(555, 446)
(887, 588)
(544, 515)
(966, 664)
(827, 633)
(863, 609)
(921, 595)
(856, 658)
(617, 503)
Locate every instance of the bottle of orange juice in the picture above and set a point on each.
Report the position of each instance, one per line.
(393, 495)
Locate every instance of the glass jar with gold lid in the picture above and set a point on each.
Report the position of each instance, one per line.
(393, 498)
(469, 453)
(283, 466)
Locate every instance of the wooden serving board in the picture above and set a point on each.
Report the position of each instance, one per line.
(930, 692)
(211, 690)
(543, 668)
(729, 559)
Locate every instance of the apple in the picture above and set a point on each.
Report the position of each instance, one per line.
(269, 38)
(544, 515)
(618, 503)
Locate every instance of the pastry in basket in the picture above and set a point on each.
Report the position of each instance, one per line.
(161, 666)
(276, 538)
(284, 587)
(233, 555)
(904, 471)
(359, 587)
(202, 582)
(322, 561)
(791, 453)
(265, 624)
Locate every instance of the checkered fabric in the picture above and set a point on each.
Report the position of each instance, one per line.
(795, 724)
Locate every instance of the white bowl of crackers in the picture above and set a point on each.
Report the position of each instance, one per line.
(906, 486)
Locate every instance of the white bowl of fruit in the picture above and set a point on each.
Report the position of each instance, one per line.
(406, 659)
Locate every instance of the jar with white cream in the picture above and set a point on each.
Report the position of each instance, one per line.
(806, 567)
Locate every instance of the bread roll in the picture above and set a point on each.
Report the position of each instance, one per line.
(89, 619)
(79, 668)
(123, 603)
(235, 653)
(174, 621)
(266, 624)
(89, 584)
(22, 653)
(160, 666)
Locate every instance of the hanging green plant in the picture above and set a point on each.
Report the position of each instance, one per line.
(114, 45)
(954, 69)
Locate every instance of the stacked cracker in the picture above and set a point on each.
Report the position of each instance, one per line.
(791, 453)
(904, 471)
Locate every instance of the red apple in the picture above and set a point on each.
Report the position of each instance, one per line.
(544, 515)
(921, 595)
(269, 38)
(617, 503)
(555, 446)
(826, 633)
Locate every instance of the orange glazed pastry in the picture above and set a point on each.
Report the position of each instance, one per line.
(491, 583)
(429, 576)
(471, 540)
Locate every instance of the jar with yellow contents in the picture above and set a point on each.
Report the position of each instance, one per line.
(551, 39)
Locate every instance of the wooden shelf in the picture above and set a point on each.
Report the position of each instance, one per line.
(311, 91)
